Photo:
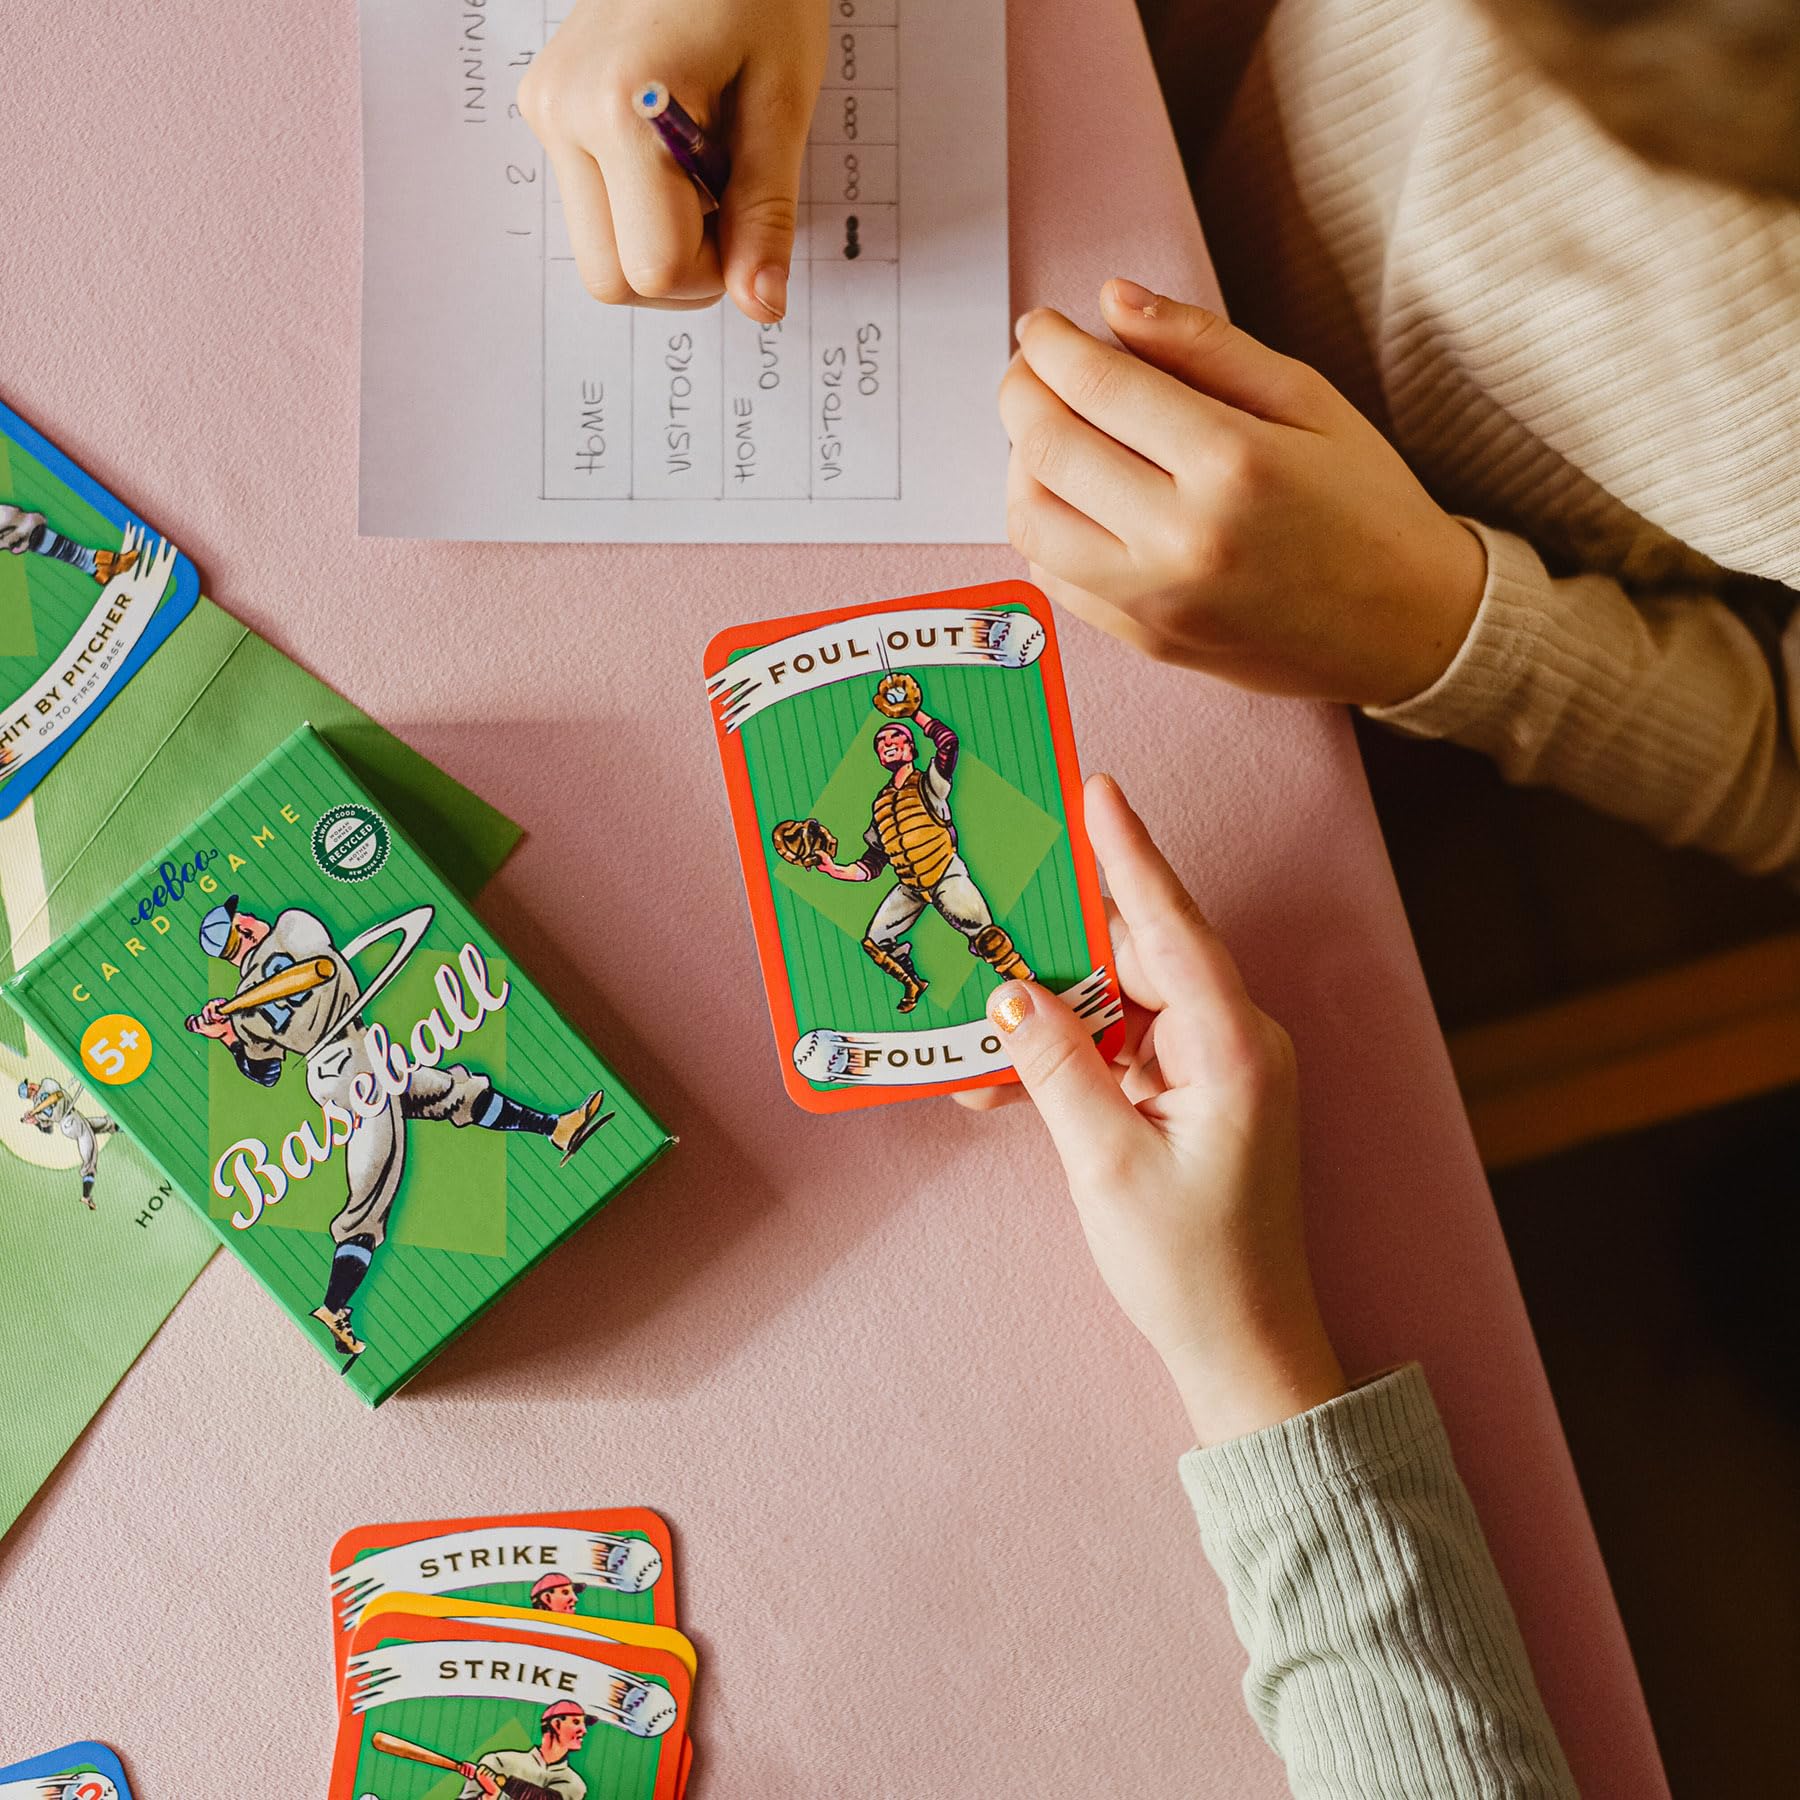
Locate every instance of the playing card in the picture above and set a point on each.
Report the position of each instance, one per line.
(907, 803)
(427, 1699)
(84, 1771)
(546, 1624)
(88, 592)
(616, 1563)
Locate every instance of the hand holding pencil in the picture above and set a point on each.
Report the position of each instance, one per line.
(746, 73)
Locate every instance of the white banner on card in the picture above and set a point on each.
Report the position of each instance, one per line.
(506, 1669)
(920, 638)
(465, 1559)
(917, 1058)
(77, 681)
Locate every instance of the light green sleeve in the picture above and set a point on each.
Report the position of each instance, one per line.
(1385, 1663)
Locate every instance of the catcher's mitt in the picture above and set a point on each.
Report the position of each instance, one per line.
(803, 841)
(898, 696)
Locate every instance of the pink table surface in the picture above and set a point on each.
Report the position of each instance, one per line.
(922, 1476)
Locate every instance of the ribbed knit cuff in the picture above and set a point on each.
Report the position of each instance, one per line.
(1499, 651)
(1347, 1441)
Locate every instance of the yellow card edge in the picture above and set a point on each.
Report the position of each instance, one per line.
(614, 1631)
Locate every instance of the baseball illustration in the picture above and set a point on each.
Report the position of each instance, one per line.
(647, 1711)
(823, 1056)
(1011, 639)
(631, 1565)
(90, 1787)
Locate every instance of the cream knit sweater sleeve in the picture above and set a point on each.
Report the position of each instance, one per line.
(1384, 1660)
(1666, 711)
(1598, 358)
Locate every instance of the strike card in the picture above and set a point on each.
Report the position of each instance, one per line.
(614, 1564)
(907, 803)
(545, 1623)
(428, 1699)
(334, 1061)
(87, 592)
(85, 1771)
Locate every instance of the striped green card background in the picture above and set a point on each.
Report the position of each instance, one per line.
(813, 755)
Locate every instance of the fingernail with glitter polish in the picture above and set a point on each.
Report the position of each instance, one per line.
(1008, 1005)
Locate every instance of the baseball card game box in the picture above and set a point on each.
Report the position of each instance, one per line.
(332, 1059)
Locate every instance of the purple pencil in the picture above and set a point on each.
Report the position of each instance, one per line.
(705, 163)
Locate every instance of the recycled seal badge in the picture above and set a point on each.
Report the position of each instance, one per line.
(351, 842)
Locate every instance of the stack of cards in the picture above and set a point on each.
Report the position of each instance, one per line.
(531, 1656)
(75, 1772)
(903, 783)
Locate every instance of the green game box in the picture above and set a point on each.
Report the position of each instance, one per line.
(330, 1056)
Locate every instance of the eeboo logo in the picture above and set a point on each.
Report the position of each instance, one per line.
(351, 842)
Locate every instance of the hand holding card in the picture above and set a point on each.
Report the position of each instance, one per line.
(932, 735)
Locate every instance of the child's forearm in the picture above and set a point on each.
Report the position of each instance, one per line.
(1661, 710)
(1385, 1663)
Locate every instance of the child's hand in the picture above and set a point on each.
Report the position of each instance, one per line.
(1219, 505)
(634, 217)
(1184, 1161)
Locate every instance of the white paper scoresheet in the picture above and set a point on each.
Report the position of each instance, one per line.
(500, 401)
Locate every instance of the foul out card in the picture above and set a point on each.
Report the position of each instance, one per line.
(426, 1699)
(75, 1772)
(907, 803)
(616, 1563)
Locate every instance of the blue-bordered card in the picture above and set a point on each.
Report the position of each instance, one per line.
(88, 592)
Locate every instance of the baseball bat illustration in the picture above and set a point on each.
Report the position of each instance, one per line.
(395, 1746)
(301, 978)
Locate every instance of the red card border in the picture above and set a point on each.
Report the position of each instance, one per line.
(760, 891)
(394, 1535)
(631, 1658)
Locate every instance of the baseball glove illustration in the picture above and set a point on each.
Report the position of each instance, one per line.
(898, 696)
(803, 841)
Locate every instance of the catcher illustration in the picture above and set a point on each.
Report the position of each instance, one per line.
(297, 995)
(51, 1107)
(22, 531)
(911, 832)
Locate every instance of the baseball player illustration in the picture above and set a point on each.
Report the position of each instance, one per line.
(911, 832)
(555, 1593)
(22, 531)
(544, 1770)
(51, 1107)
(297, 996)
(542, 1773)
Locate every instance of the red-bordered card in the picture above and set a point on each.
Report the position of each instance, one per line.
(611, 1563)
(428, 1698)
(907, 804)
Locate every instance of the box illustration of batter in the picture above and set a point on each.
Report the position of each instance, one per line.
(330, 1057)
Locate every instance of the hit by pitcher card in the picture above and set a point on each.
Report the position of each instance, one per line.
(908, 809)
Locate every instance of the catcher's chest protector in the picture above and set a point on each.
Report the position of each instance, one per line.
(918, 843)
